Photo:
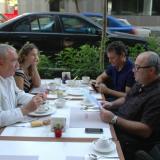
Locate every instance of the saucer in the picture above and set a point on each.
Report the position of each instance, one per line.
(49, 112)
(111, 147)
(42, 110)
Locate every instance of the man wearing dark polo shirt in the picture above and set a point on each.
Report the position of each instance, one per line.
(137, 120)
(119, 71)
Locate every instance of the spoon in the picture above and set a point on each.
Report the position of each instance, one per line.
(95, 157)
(75, 78)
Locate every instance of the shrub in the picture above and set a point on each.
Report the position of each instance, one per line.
(45, 66)
(153, 44)
(135, 50)
(86, 60)
(81, 61)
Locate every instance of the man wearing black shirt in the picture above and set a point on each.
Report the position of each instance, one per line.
(137, 120)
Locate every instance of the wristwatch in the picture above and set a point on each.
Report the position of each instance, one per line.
(114, 119)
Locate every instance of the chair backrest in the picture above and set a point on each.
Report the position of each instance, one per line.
(154, 154)
(142, 155)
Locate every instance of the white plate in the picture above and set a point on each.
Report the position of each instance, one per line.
(50, 111)
(104, 150)
(75, 92)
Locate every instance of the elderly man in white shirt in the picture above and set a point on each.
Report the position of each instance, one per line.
(14, 103)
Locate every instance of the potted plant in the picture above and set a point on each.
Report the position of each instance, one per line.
(58, 129)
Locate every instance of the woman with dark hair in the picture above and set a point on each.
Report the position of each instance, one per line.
(27, 75)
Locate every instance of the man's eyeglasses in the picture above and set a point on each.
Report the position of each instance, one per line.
(137, 67)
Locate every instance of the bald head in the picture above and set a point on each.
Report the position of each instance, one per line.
(4, 49)
(8, 60)
(150, 58)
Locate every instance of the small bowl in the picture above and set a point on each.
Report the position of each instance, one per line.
(71, 83)
(60, 102)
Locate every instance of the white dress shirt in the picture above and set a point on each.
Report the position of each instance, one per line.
(11, 99)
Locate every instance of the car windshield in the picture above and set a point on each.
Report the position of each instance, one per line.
(99, 20)
(124, 22)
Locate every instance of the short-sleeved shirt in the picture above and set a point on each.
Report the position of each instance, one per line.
(27, 80)
(142, 104)
(124, 77)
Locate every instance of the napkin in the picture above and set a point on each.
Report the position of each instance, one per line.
(92, 99)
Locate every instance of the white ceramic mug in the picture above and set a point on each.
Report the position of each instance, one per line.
(103, 143)
(42, 108)
(58, 81)
(60, 102)
(71, 83)
(85, 79)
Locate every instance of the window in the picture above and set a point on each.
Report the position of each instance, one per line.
(47, 24)
(23, 26)
(35, 25)
(43, 24)
(77, 25)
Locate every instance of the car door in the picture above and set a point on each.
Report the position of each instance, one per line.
(44, 33)
(77, 31)
(39, 29)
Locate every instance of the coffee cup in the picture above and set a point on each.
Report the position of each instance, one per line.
(58, 81)
(71, 83)
(103, 143)
(85, 79)
(60, 102)
(42, 108)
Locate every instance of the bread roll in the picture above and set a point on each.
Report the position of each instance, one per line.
(36, 123)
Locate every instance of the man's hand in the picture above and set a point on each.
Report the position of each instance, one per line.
(33, 104)
(106, 115)
(102, 88)
(106, 104)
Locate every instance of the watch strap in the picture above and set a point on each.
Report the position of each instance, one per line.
(114, 119)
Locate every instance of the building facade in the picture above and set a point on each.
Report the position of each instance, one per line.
(138, 12)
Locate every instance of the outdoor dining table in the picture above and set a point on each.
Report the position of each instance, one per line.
(39, 143)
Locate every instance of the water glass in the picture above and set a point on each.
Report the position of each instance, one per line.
(58, 81)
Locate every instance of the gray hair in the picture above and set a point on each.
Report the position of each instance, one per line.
(154, 61)
(4, 48)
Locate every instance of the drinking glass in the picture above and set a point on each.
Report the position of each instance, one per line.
(58, 81)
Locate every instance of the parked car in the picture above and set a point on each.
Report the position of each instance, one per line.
(140, 31)
(53, 31)
(3, 18)
(118, 24)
